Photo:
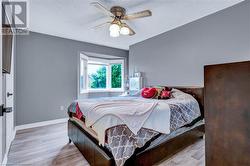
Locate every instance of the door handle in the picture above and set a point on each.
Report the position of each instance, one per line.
(9, 94)
(4, 110)
(7, 109)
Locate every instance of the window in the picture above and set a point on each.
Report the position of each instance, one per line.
(98, 75)
(116, 75)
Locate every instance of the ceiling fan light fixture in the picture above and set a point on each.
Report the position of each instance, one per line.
(114, 28)
(114, 33)
(119, 16)
(125, 30)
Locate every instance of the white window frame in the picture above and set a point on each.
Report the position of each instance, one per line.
(109, 63)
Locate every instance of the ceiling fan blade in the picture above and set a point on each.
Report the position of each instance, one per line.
(131, 31)
(101, 25)
(145, 13)
(102, 8)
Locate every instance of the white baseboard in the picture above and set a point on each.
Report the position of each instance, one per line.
(40, 124)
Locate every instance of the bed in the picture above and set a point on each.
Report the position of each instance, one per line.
(154, 149)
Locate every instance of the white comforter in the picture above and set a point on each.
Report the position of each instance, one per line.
(135, 112)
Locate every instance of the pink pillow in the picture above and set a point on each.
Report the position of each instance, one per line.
(165, 94)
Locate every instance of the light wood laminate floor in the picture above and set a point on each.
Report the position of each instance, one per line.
(48, 146)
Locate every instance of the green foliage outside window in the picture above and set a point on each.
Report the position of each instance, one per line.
(98, 79)
(116, 76)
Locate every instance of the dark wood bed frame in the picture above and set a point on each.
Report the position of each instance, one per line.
(98, 155)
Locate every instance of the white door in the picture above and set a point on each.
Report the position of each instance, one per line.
(8, 117)
(9, 103)
(1, 101)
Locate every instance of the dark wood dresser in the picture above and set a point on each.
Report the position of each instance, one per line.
(227, 114)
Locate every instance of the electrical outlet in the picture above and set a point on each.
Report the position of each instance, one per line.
(61, 108)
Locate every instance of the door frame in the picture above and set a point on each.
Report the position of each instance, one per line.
(8, 81)
(7, 129)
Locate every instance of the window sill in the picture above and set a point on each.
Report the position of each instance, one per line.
(102, 91)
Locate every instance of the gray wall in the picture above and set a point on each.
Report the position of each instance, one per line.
(46, 75)
(177, 57)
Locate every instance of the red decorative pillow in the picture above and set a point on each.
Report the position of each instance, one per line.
(165, 94)
(148, 92)
(160, 89)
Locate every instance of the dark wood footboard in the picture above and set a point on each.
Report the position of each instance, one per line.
(97, 155)
(93, 153)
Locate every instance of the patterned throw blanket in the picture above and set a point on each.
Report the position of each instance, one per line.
(122, 142)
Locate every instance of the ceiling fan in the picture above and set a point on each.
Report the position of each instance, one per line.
(119, 16)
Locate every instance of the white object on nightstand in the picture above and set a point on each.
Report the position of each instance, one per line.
(135, 83)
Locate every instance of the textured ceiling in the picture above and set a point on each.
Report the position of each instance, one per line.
(74, 19)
